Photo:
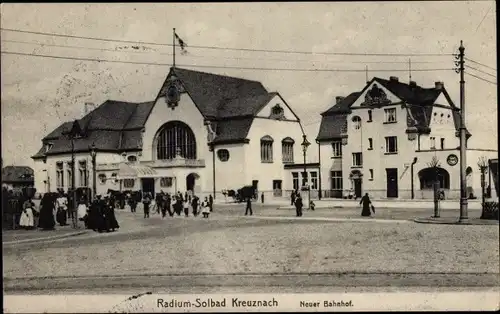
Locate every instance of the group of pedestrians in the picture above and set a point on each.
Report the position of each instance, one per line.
(175, 204)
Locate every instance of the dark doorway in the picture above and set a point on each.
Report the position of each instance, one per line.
(277, 188)
(191, 181)
(357, 187)
(392, 182)
(255, 184)
(148, 185)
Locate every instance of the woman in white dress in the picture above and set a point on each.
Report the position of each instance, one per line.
(82, 209)
(205, 208)
(27, 220)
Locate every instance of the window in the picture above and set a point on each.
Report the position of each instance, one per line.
(336, 180)
(390, 115)
(433, 142)
(304, 178)
(102, 178)
(357, 159)
(295, 179)
(370, 144)
(70, 176)
(223, 155)
(442, 143)
(428, 176)
(83, 173)
(131, 158)
(314, 180)
(60, 175)
(391, 145)
(175, 138)
(266, 149)
(287, 150)
(166, 182)
(356, 122)
(337, 149)
(369, 116)
(277, 112)
(128, 183)
(371, 174)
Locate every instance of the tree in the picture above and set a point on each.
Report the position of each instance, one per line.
(482, 163)
(435, 164)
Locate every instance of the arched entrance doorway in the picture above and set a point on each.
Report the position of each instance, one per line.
(191, 182)
(357, 181)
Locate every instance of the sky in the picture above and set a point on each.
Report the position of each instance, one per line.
(38, 94)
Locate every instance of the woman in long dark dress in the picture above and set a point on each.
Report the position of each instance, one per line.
(46, 220)
(365, 200)
(109, 216)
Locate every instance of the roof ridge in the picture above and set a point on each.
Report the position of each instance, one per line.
(220, 75)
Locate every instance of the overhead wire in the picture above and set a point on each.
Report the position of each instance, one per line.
(228, 48)
(206, 56)
(480, 78)
(218, 67)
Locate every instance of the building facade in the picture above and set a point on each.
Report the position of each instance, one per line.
(17, 177)
(203, 133)
(392, 140)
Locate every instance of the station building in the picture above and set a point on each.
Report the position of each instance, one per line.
(203, 133)
(391, 139)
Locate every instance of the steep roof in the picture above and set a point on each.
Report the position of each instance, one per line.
(17, 174)
(113, 126)
(213, 93)
(419, 101)
(230, 102)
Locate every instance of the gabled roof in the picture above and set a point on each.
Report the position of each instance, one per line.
(419, 103)
(212, 93)
(17, 174)
(229, 102)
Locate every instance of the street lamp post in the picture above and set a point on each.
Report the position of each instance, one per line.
(93, 154)
(305, 144)
(47, 172)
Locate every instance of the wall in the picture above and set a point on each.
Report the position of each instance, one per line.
(267, 172)
(328, 164)
(188, 113)
(231, 174)
(40, 175)
(277, 100)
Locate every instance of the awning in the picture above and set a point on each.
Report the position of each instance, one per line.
(134, 171)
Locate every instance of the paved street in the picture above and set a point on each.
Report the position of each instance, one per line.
(231, 250)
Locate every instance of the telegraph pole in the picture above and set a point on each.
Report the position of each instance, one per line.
(463, 136)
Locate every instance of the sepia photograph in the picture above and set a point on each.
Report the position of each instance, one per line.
(274, 156)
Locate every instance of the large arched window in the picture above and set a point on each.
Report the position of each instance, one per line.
(266, 149)
(175, 138)
(428, 175)
(287, 149)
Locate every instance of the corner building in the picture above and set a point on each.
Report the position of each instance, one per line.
(385, 139)
(203, 133)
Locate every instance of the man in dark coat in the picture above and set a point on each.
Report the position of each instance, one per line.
(249, 207)
(146, 202)
(194, 204)
(46, 221)
(365, 200)
(298, 205)
(292, 198)
(211, 202)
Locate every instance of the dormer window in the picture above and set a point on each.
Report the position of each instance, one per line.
(132, 158)
(356, 122)
(48, 146)
(277, 112)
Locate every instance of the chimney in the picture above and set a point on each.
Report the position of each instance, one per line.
(439, 85)
(87, 107)
(413, 84)
(339, 99)
(394, 79)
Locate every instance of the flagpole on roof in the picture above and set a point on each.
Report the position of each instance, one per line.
(173, 39)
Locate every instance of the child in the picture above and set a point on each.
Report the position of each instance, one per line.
(186, 207)
(312, 205)
(205, 208)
